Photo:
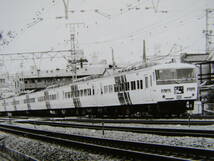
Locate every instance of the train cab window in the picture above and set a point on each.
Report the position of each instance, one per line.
(141, 84)
(133, 85)
(146, 82)
(93, 92)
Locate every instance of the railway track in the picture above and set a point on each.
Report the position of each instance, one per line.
(141, 121)
(158, 131)
(120, 148)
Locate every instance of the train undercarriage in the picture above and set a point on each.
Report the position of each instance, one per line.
(160, 110)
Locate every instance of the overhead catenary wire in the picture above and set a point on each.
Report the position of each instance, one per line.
(139, 32)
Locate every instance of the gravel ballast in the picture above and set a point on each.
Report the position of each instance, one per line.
(198, 142)
(47, 151)
(51, 152)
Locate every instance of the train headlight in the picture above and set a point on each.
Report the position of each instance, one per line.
(190, 89)
(165, 90)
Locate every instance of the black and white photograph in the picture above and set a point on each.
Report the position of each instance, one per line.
(98, 80)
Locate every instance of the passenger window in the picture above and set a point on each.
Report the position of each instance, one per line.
(150, 80)
(116, 88)
(127, 86)
(146, 82)
(110, 88)
(133, 85)
(141, 84)
(138, 84)
(85, 92)
(89, 91)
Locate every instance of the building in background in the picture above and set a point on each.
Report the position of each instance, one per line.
(205, 66)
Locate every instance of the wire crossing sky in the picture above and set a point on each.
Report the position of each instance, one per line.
(167, 26)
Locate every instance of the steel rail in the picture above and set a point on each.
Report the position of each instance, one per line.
(65, 140)
(117, 147)
(158, 131)
(141, 121)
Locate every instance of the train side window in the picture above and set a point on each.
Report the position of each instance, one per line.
(153, 76)
(138, 84)
(68, 94)
(150, 80)
(76, 93)
(110, 88)
(81, 92)
(133, 85)
(101, 90)
(126, 86)
(146, 82)
(40, 99)
(141, 84)
(32, 100)
(15, 102)
(116, 88)
(72, 93)
(122, 86)
(25, 101)
(105, 89)
(85, 92)
(54, 96)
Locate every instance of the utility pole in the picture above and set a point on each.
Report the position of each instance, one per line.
(73, 55)
(74, 46)
(66, 5)
(144, 52)
(209, 32)
(113, 61)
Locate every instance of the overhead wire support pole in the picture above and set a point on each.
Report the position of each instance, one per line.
(73, 55)
(66, 5)
(113, 61)
(206, 32)
(209, 37)
(144, 52)
(73, 43)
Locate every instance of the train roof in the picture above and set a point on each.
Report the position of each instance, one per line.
(142, 67)
(173, 65)
(137, 68)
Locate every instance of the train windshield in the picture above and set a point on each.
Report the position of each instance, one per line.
(175, 76)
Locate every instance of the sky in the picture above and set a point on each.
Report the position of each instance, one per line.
(167, 26)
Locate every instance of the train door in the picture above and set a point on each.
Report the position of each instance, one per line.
(147, 89)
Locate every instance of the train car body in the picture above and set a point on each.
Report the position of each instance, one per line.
(153, 90)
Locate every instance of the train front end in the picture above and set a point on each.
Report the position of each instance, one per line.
(176, 88)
